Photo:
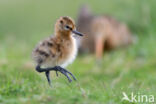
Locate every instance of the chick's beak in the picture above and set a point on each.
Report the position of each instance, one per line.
(77, 33)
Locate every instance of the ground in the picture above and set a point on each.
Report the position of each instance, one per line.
(24, 23)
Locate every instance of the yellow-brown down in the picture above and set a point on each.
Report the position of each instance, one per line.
(59, 49)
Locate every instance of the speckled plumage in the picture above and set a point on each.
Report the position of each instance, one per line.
(60, 49)
(57, 51)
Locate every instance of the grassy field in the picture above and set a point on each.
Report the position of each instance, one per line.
(24, 22)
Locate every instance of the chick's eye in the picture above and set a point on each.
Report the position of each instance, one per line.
(67, 27)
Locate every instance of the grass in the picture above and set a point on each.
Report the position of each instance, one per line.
(24, 23)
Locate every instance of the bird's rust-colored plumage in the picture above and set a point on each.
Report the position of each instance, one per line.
(102, 32)
(59, 49)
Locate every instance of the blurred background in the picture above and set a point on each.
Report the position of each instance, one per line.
(23, 23)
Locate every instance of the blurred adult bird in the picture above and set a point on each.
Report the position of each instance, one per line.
(57, 51)
(103, 32)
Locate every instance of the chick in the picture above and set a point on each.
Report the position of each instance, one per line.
(57, 51)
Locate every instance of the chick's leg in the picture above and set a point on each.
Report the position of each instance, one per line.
(65, 72)
(48, 78)
(56, 68)
(47, 72)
